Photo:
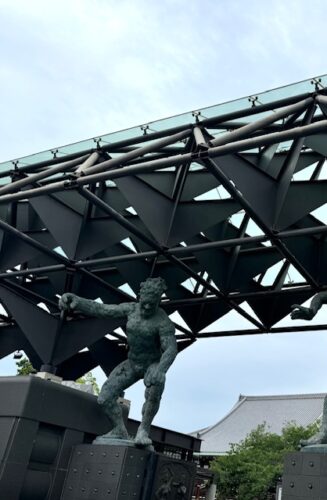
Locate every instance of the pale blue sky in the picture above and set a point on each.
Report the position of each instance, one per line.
(75, 69)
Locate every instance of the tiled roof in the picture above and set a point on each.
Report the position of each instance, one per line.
(250, 411)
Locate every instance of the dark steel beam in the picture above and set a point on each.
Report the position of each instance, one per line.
(229, 186)
(149, 166)
(285, 329)
(240, 296)
(130, 227)
(286, 173)
(245, 131)
(234, 242)
(136, 153)
(75, 158)
(89, 162)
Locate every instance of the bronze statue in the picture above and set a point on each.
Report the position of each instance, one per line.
(307, 313)
(152, 349)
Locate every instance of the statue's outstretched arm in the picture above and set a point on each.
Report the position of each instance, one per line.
(300, 312)
(71, 302)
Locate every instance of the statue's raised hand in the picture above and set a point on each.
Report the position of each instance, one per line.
(300, 312)
(68, 302)
(154, 375)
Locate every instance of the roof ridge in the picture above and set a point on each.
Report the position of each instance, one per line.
(243, 398)
(288, 396)
(234, 408)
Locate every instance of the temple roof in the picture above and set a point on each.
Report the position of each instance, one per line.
(251, 411)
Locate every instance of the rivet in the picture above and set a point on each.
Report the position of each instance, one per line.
(113, 473)
(100, 471)
(117, 455)
(311, 464)
(95, 490)
(74, 470)
(128, 474)
(87, 471)
(108, 492)
(79, 453)
(292, 484)
(137, 475)
(70, 488)
(293, 462)
(83, 490)
(104, 454)
(310, 486)
(91, 453)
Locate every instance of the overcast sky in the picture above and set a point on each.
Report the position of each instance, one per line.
(76, 69)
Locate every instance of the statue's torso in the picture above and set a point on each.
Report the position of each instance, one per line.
(143, 338)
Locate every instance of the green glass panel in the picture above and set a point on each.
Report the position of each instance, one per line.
(303, 87)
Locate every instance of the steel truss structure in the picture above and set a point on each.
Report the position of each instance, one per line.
(222, 205)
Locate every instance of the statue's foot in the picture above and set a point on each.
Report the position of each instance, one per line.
(142, 439)
(116, 433)
(319, 438)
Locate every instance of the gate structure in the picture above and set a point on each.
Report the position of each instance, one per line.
(221, 202)
(224, 203)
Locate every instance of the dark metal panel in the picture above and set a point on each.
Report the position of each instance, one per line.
(317, 143)
(15, 252)
(302, 198)
(196, 216)
(63, 223)
(270, 310)
(256, 187)
(38, 326)
(81, 333)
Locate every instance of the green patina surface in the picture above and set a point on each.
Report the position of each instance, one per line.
(152, 349)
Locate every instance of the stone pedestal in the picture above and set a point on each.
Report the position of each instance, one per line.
(40, 422)
(113, 472)
(305, 476)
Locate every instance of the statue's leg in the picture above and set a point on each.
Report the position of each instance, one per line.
(321, 436)
(150, 408)
(120, 378)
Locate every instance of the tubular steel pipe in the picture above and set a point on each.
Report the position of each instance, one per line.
(76, 157)
(123, 159)
(263, 122)
(284, 329)
(61, 167)
(89, 162)
(242, 145)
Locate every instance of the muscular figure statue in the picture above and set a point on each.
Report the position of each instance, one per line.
(152, 349)
(300, 312)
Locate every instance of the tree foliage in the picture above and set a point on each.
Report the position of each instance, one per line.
(24, 367)
(253, 467)
(89, 379)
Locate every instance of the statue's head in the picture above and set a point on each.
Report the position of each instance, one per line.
(150, 294)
